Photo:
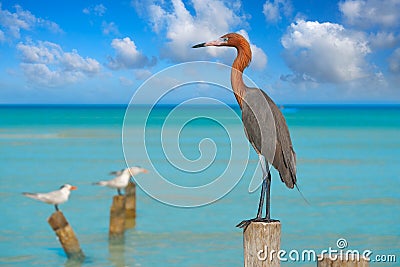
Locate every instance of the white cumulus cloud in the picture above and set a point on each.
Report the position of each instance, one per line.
(273, 9)
(394, 62)
(183, 29)
(384, 40)
(380, 19)
(207, 21)
(127, 56)
(325, 52)
(371, 13)
(109, 28)
(12, 23)
(142, 74)
(98, 10)
(46, 64)
(2, 36)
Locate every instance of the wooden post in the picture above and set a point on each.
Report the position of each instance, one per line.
(66, 235)
(344, 261)
(261, 243)
(130, 205)
(117, 217)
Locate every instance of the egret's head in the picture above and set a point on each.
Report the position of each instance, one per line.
(229, 39)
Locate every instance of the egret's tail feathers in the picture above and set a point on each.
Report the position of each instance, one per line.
(101, 183)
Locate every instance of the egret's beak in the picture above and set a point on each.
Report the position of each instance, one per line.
(217, 42)
(145, 171)
(199, 45)
(73, 188)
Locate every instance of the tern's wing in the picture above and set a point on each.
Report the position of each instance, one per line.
(31, 195)
(54, 197)
(117, 173)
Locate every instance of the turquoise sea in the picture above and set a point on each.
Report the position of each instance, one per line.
(348, 170)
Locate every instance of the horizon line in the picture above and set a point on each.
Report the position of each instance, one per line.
(289, 105)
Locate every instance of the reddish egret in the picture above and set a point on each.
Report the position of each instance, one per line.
(55, 197)
(259, 113)
(122, 178)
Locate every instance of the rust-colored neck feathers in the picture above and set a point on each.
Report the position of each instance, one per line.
(242, 60)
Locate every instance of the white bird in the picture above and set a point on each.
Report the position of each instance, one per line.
(54, 197)
(122, 177)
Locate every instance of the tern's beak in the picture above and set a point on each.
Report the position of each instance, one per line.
(145, 171)
(217, 42)
(73, 188)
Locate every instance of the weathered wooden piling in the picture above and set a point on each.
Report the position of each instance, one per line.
(66, 235)
(261, 244)
(117, 217)
(130, 205)
(342, 261)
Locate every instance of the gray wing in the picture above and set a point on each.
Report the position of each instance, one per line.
(117, 173)
(267, 131)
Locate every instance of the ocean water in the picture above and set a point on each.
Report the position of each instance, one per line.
(348, 171)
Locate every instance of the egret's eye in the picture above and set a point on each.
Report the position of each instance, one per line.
(225, 39)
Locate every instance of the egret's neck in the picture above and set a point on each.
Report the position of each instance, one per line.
(241, 62)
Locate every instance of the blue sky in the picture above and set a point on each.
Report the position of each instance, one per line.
(308, 51)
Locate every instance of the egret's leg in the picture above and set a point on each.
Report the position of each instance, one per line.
(119, 192)
(265, 191)
(56, 206)
(261, 203)
(268, 205)
(264, 185)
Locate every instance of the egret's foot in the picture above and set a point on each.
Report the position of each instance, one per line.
(243, 224)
